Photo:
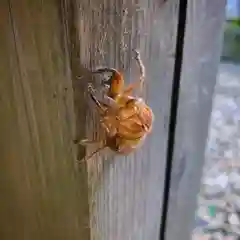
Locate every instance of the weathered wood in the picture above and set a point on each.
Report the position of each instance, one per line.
(126, 193)
(201, 58)
(44, 45)
(43, 193)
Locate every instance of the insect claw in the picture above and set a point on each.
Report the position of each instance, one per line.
(90, 88)
(82, 161)
(76, 141)
(85, 142)
(137, 52)
(107, 86)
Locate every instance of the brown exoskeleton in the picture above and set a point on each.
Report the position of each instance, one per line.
(127, 119)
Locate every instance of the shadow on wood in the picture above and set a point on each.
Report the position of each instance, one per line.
(44, 192)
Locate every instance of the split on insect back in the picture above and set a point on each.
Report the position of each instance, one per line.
(126, 118)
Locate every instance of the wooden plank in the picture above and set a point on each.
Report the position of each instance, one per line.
(200, 63)
(43, 193)
(126, 193)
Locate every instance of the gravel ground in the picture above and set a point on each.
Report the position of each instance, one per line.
(218, 213)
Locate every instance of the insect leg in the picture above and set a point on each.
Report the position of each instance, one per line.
(140, 83)
(101, 106)
(141, 68)
(95, 152)
(85, 142)
(110, 102)
(131, 87)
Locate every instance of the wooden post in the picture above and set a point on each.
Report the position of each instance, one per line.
(44, 194)
(47, 49)
(126, 193)
(202, 51)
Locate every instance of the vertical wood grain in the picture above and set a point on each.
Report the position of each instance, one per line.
(126, 193)
(47, 49)
(43, 192)
(202, 51)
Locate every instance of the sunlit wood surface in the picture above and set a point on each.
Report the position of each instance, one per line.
(47, 48)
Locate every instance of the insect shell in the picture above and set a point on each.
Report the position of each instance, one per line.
(127, 120)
